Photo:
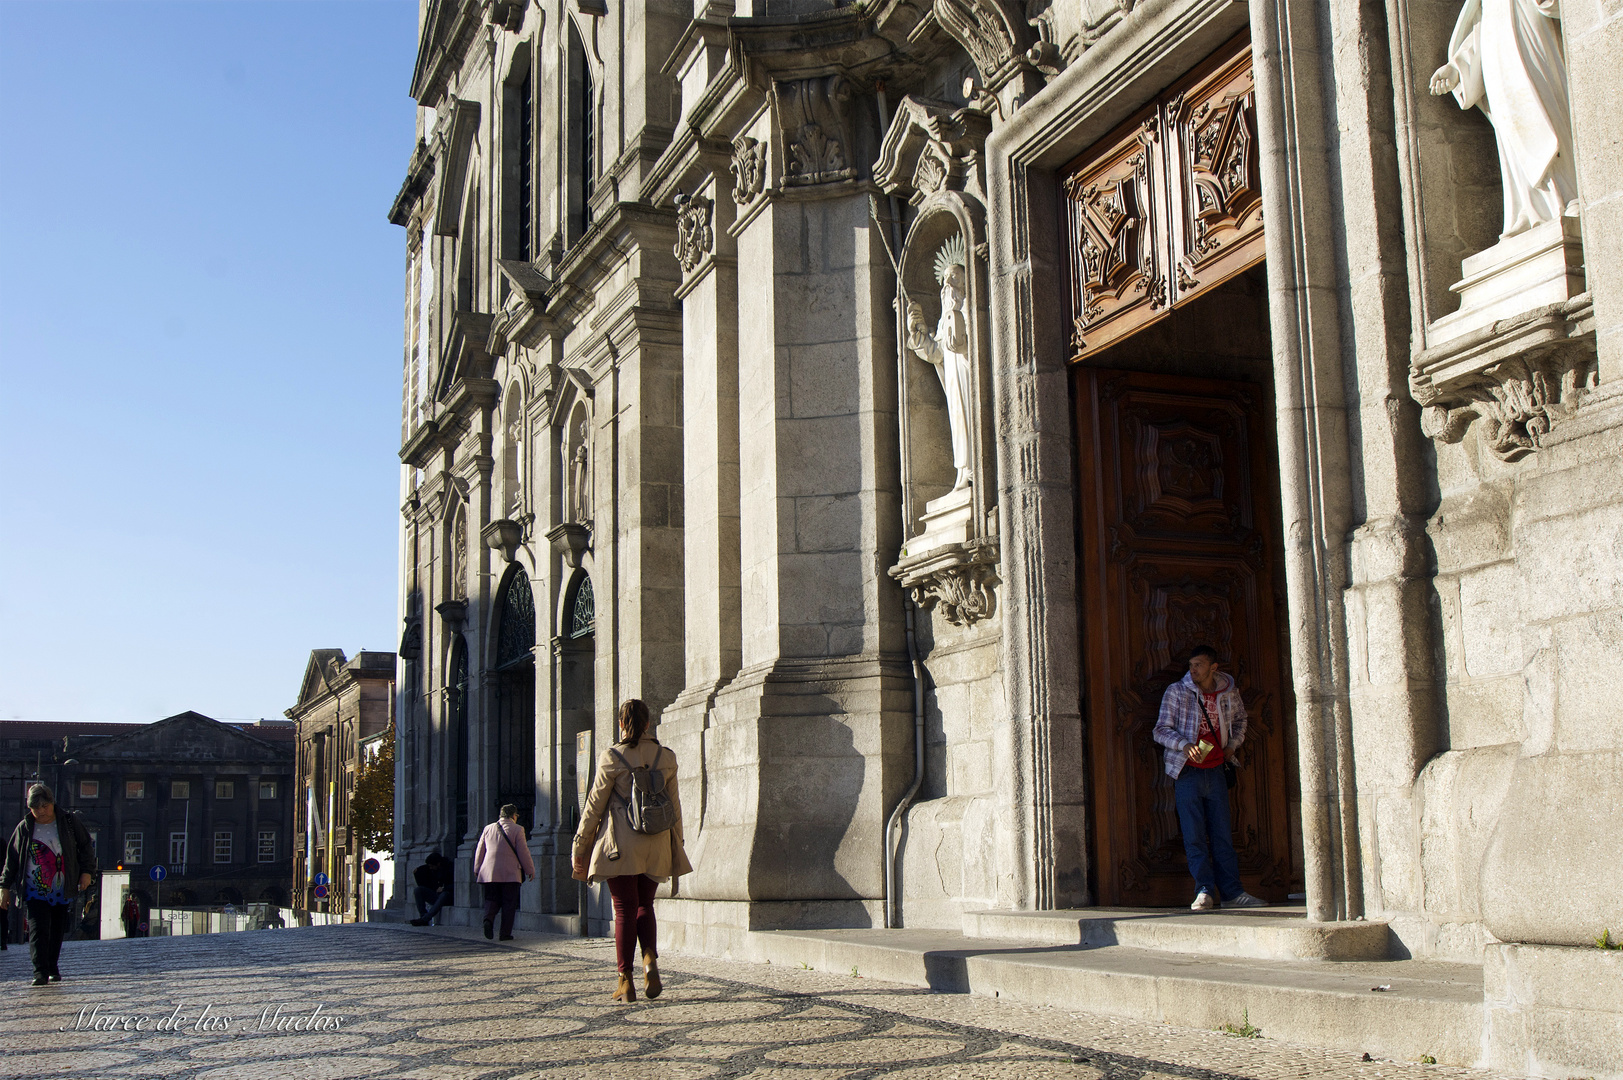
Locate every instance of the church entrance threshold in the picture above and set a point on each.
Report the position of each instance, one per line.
(1179, 548)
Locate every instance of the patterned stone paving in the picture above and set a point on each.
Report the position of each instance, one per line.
(358, 1001)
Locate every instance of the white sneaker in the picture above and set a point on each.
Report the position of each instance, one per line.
(1204, 902)
(1245, 899)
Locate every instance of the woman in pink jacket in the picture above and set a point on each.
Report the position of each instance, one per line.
(502, 863)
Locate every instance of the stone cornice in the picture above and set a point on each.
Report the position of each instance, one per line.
(628, 229)
(419, 173)
(421, 444)
(447, 35)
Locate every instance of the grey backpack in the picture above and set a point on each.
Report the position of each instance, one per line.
(649, 810)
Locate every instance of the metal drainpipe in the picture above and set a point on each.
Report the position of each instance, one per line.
(891, 921)
(896, 815)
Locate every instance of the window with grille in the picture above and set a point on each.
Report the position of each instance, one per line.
(132, 847)
(177, 849)
(180, 789)
(225, 789)
(135, 789)
(267, 789)
(267, 845)
(90, 789)
(222, 847)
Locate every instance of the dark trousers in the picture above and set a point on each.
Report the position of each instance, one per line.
(503, 896)
(47, 926)
(633, 896)
(1203, 812)
(429, 902)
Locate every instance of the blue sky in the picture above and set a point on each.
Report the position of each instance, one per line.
(200, 337)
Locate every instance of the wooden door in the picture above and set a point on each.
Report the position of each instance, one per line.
(1178, 497)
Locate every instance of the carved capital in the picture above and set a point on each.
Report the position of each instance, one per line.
(933, 146)
(694, 237)
(960, 579)
(995, 33)
(814, 116)
(748, 168)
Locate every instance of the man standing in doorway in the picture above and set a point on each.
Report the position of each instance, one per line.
(1202, 724)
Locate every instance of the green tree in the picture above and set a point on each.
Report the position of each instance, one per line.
(371, 806)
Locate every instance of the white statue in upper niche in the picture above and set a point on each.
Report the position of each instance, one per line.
(948, 350)
(1506, 58)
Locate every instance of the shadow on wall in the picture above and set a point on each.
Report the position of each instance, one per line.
(812, 777)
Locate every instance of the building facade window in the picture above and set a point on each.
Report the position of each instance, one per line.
(267, 845)
(180, 789)
(267, 789)
(90, 789)
(177, 849)
(225, 789)
(135, 789)
(222, 846)
(132, 848)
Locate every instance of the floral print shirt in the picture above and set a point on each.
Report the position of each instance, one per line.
(45, 869)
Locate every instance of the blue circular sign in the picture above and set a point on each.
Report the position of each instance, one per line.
(320, 879)
(157, 873)
(321, 892)
(371, 866)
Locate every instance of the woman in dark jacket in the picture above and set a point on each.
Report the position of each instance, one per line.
(50, 857)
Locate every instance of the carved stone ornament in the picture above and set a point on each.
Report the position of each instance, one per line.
(995, 33)
(749, 169)
(694, 237)
(961, 580)
(933, 146)
(1519, 376)
(815, 118)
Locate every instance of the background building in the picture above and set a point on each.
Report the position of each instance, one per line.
(756, 349)
(211, 802)
(342, 704)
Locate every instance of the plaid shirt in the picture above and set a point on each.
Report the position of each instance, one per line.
(1180, 720)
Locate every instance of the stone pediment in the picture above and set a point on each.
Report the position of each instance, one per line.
(449, 28)
(187, 736)
(320, 673)
(932, 146)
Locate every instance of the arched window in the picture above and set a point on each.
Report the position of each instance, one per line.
(515, 634)
(582, 611)
(582, 166)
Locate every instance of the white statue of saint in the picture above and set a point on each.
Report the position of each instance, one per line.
(1506, 58)
(582, 479)
(948, 350)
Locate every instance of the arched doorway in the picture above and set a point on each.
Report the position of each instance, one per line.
(515, 697)
(577, 655)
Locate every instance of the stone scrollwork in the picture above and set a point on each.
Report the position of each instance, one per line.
(749, 169)
(961, 581)
(694, 237)
(815, 118)
(1519, 376)
(995, 33)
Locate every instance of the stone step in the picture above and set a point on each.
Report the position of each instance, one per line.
(1427, 1007)
(1273, 933)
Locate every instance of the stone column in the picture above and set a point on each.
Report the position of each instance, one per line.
(1594, 40)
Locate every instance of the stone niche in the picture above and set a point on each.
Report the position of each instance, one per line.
(1510, 341)
(931, 156)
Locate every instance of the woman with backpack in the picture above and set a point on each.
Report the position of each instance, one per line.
(631, 837)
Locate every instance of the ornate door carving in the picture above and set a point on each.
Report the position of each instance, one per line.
(1179, 541)
(1167, 206)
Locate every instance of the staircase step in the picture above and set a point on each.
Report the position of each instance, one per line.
(1274, 933)
(1427, 1007)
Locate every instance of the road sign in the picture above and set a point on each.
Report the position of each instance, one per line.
(320, 879)
(321, 892)
(157, 873)
(371, 866)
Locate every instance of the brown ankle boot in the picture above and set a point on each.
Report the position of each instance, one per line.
(650, 970)
(625, 990)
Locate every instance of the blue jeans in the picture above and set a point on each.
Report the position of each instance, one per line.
(429, 902)
(1203, 812)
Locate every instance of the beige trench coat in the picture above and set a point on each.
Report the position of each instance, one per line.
(605, 831)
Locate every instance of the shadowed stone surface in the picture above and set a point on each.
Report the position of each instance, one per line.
(426, 1004)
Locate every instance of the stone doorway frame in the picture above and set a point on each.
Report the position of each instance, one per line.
(1043, 820)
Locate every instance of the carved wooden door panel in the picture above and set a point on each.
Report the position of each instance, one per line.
(1177, 506)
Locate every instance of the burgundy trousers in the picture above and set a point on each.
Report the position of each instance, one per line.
(633, 896)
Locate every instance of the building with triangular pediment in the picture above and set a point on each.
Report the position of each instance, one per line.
(210, 802)
(895, 393)
(343, 704)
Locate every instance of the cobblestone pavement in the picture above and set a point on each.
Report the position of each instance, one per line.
(373, 1001)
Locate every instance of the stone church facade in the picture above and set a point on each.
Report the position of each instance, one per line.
(892, 394)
